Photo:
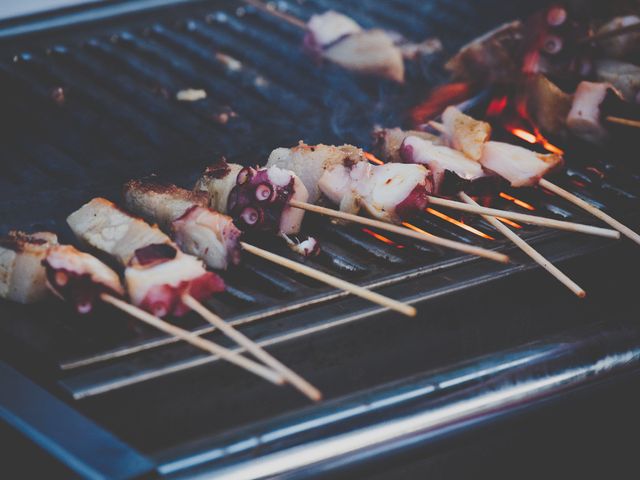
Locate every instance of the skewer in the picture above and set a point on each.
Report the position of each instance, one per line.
(194, 339)
(596, 212)
(362, 292)
(610, 34)
(529, 250)
(290, 19)
(443, 242)
(293, 378)
(526, 218)
(623, 121)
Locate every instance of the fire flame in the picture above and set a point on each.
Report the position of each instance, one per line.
(416, 229)
(382, 238)
(517, 201)
(373, 159)
(459, 223)
(536, 138)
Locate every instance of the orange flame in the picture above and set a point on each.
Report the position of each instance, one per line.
(382, 238)
(509, 222)
(517, 201)
(459, 223)
(416, 229)
(536, 138)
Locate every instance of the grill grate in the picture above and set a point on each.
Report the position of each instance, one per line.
(117, 118)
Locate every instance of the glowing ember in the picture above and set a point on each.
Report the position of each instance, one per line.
(517, 201)
(536, 138)
(372, 158)
(509, 222)
(459, 223)
(416, 229)
(382, 238)
(439, 99)
(497, 106)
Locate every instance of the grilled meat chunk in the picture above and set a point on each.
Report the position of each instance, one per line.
(387, 142)
(79, 278)
(22, 275)
(584, 118)
(157, 273)
(519, 166)
(440, 159)
(624, 77)
(340, 40)
(102, 225)
(464, 133)
(198, 230)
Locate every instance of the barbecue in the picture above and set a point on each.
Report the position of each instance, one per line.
(278, 232)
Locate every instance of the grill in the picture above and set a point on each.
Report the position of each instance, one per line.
(91, 105)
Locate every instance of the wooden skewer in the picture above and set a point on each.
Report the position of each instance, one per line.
(194, 340)
(623, 121)
(292, 377)
(529, 250)
(443, 242)
(610, 34)
(526, 218)
(290, 19)
(387, 302)
(596, 212)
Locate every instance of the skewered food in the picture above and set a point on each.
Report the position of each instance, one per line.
(584, 119)
(157, 273)
(197, 229)
(624, 77)
(465, 133)
(338, 39)
(22, 276)
(256, 198)
(344, 176)
(387, 141)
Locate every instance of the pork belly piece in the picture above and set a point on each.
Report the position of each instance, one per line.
(104, 226)
(22, 275)
(198, 230)
(519, 166)
(157, 273)
(258, 198)
(440, 159)
(495, 57)
(79, 278)
(387, 142)
(584, 119)
(624, 77)
(464, 133)
(340, 40)
(621, 46)
(161, 274)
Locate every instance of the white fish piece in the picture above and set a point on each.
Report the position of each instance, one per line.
(440, 159)
(104, 226)
(584, 118)
(22, 275)
(217, 181)
(521, 167)
(389, 140)
(330, 26)
(465, 133)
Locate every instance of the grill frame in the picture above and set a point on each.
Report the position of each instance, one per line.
(82, 378)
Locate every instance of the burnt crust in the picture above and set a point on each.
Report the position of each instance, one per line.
(150, 186)
(218, 170)
(20, 242)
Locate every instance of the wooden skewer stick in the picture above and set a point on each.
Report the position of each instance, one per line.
(292, 377)
(387, 302)
(529, 250)
(526, 218)
(623, 121)
(443, 242)
(194, 340)
(296, 22)
(596, 212)
(634, 27)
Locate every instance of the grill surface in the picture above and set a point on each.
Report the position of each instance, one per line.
(88, 107)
